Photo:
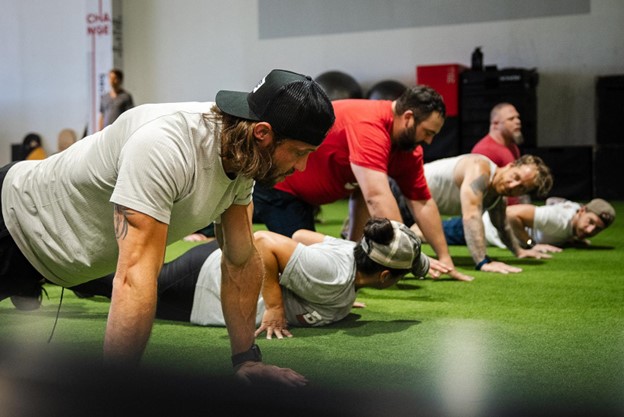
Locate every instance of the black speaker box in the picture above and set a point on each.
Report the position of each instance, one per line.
(608, 182)
(610, 110)
(471, 133)
(500, 79)
(445, 143)
(572, 170)
(482, 90)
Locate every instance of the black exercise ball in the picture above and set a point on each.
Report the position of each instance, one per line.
(386, 90)
(339, 85)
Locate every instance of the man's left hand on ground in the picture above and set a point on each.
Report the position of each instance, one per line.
(258, 373)
(533, 253)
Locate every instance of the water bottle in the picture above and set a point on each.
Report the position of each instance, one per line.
(477, 59)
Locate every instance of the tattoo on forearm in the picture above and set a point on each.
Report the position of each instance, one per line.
(475, 238)
(121, 221)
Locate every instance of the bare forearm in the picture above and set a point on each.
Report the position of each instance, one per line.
(272, 292)
(518, 229)
(430, 223)
(516, 225)
(498, 217)
(508, 238)
(361, 209)
(130, 319)
(380, 209)
(240, 289)
(475, 238)
(142, 241)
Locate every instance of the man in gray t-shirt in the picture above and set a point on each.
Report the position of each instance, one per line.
(317, 282)
(311, 280)
(114, 200)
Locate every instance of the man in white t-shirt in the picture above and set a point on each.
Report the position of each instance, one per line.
(558, 223)
(547, 228)
(113, 201)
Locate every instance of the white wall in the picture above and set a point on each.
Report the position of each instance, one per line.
(43, 70)
(189, 49)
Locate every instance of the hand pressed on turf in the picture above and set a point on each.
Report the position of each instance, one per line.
(500, 267)
(258, 373)
(438, 267)
(274, 323)
(533, 253)
(545, 248)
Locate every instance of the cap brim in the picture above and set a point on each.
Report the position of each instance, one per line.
(235, 103)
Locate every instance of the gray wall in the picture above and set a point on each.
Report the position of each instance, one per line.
(189, 49)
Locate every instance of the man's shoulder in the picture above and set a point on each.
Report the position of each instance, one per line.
(357, 103)
(484, 141)
(477, 158)
(163, 109)
(475, 162)
(362, 110)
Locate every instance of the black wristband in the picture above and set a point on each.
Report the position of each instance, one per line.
(529, 244)
(485, 260)
(253, 355)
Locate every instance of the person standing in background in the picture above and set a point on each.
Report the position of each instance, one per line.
(116, 101)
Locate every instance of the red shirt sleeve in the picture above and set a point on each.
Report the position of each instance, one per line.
(369, 145)
(407, 169)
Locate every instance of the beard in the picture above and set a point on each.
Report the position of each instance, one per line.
(518, 138)
(407, 140)
(271, 175)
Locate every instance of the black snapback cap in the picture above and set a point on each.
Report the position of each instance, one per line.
(293, 104)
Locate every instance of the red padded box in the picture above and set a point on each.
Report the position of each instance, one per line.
(445, 80)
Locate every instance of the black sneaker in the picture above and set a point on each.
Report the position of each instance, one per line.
(28, 299)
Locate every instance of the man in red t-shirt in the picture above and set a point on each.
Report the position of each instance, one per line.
(370, 142)
(501, 143)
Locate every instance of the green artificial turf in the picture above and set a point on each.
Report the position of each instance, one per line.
(552, 333)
